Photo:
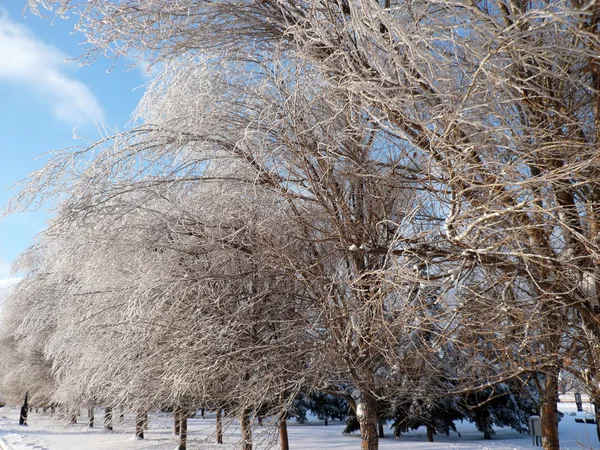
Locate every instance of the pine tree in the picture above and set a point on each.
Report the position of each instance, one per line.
(506, 405)
(437, 415)
(326, 406)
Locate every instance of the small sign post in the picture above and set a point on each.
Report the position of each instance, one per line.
(536, 430)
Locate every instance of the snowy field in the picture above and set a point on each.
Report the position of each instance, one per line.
(51, 433)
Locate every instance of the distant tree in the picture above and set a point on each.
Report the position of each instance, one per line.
(326, 406)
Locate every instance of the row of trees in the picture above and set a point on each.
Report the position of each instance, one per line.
(370, 199)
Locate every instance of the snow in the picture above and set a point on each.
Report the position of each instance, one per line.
(47, 432)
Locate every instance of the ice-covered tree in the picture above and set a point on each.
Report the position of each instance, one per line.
(487, 109)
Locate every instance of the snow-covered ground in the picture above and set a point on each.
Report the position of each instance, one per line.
(52, 433)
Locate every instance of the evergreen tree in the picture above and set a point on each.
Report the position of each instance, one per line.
(300, 407)
(327, 406)
(323, 405)
(437, 415)
(506, 405)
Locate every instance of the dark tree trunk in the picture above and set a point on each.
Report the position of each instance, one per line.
(24, 411)
(397, 431)
(219, 427)
(177, 417)
(140, 425)
(52, 409)
(284, 443)
(91, 417)
(487, 435)
(430, 431)
(326, 421)
(121, 416)
(246, 430)
(202, 411)
(74, 417)
(108, 422)
(381, 432)
(549, 412)
(368, 423)
(183, 418)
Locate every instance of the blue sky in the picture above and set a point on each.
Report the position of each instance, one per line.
(42, 99)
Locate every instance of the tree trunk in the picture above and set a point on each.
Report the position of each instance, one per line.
(246, 430)
(284, 443)
(91, 417)
(74, 417)
(326, 422)
(367, 417)
(397, 432)
(140, 425)
(219, 427)
(549, 412)
(24, 410)
(430, 433)
(381, 432)
(146, 421)
(176, 422)
(183, 418)
(108, 422)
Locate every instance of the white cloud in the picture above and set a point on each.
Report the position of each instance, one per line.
(39, 67)
(6, 284)
(4, 269)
